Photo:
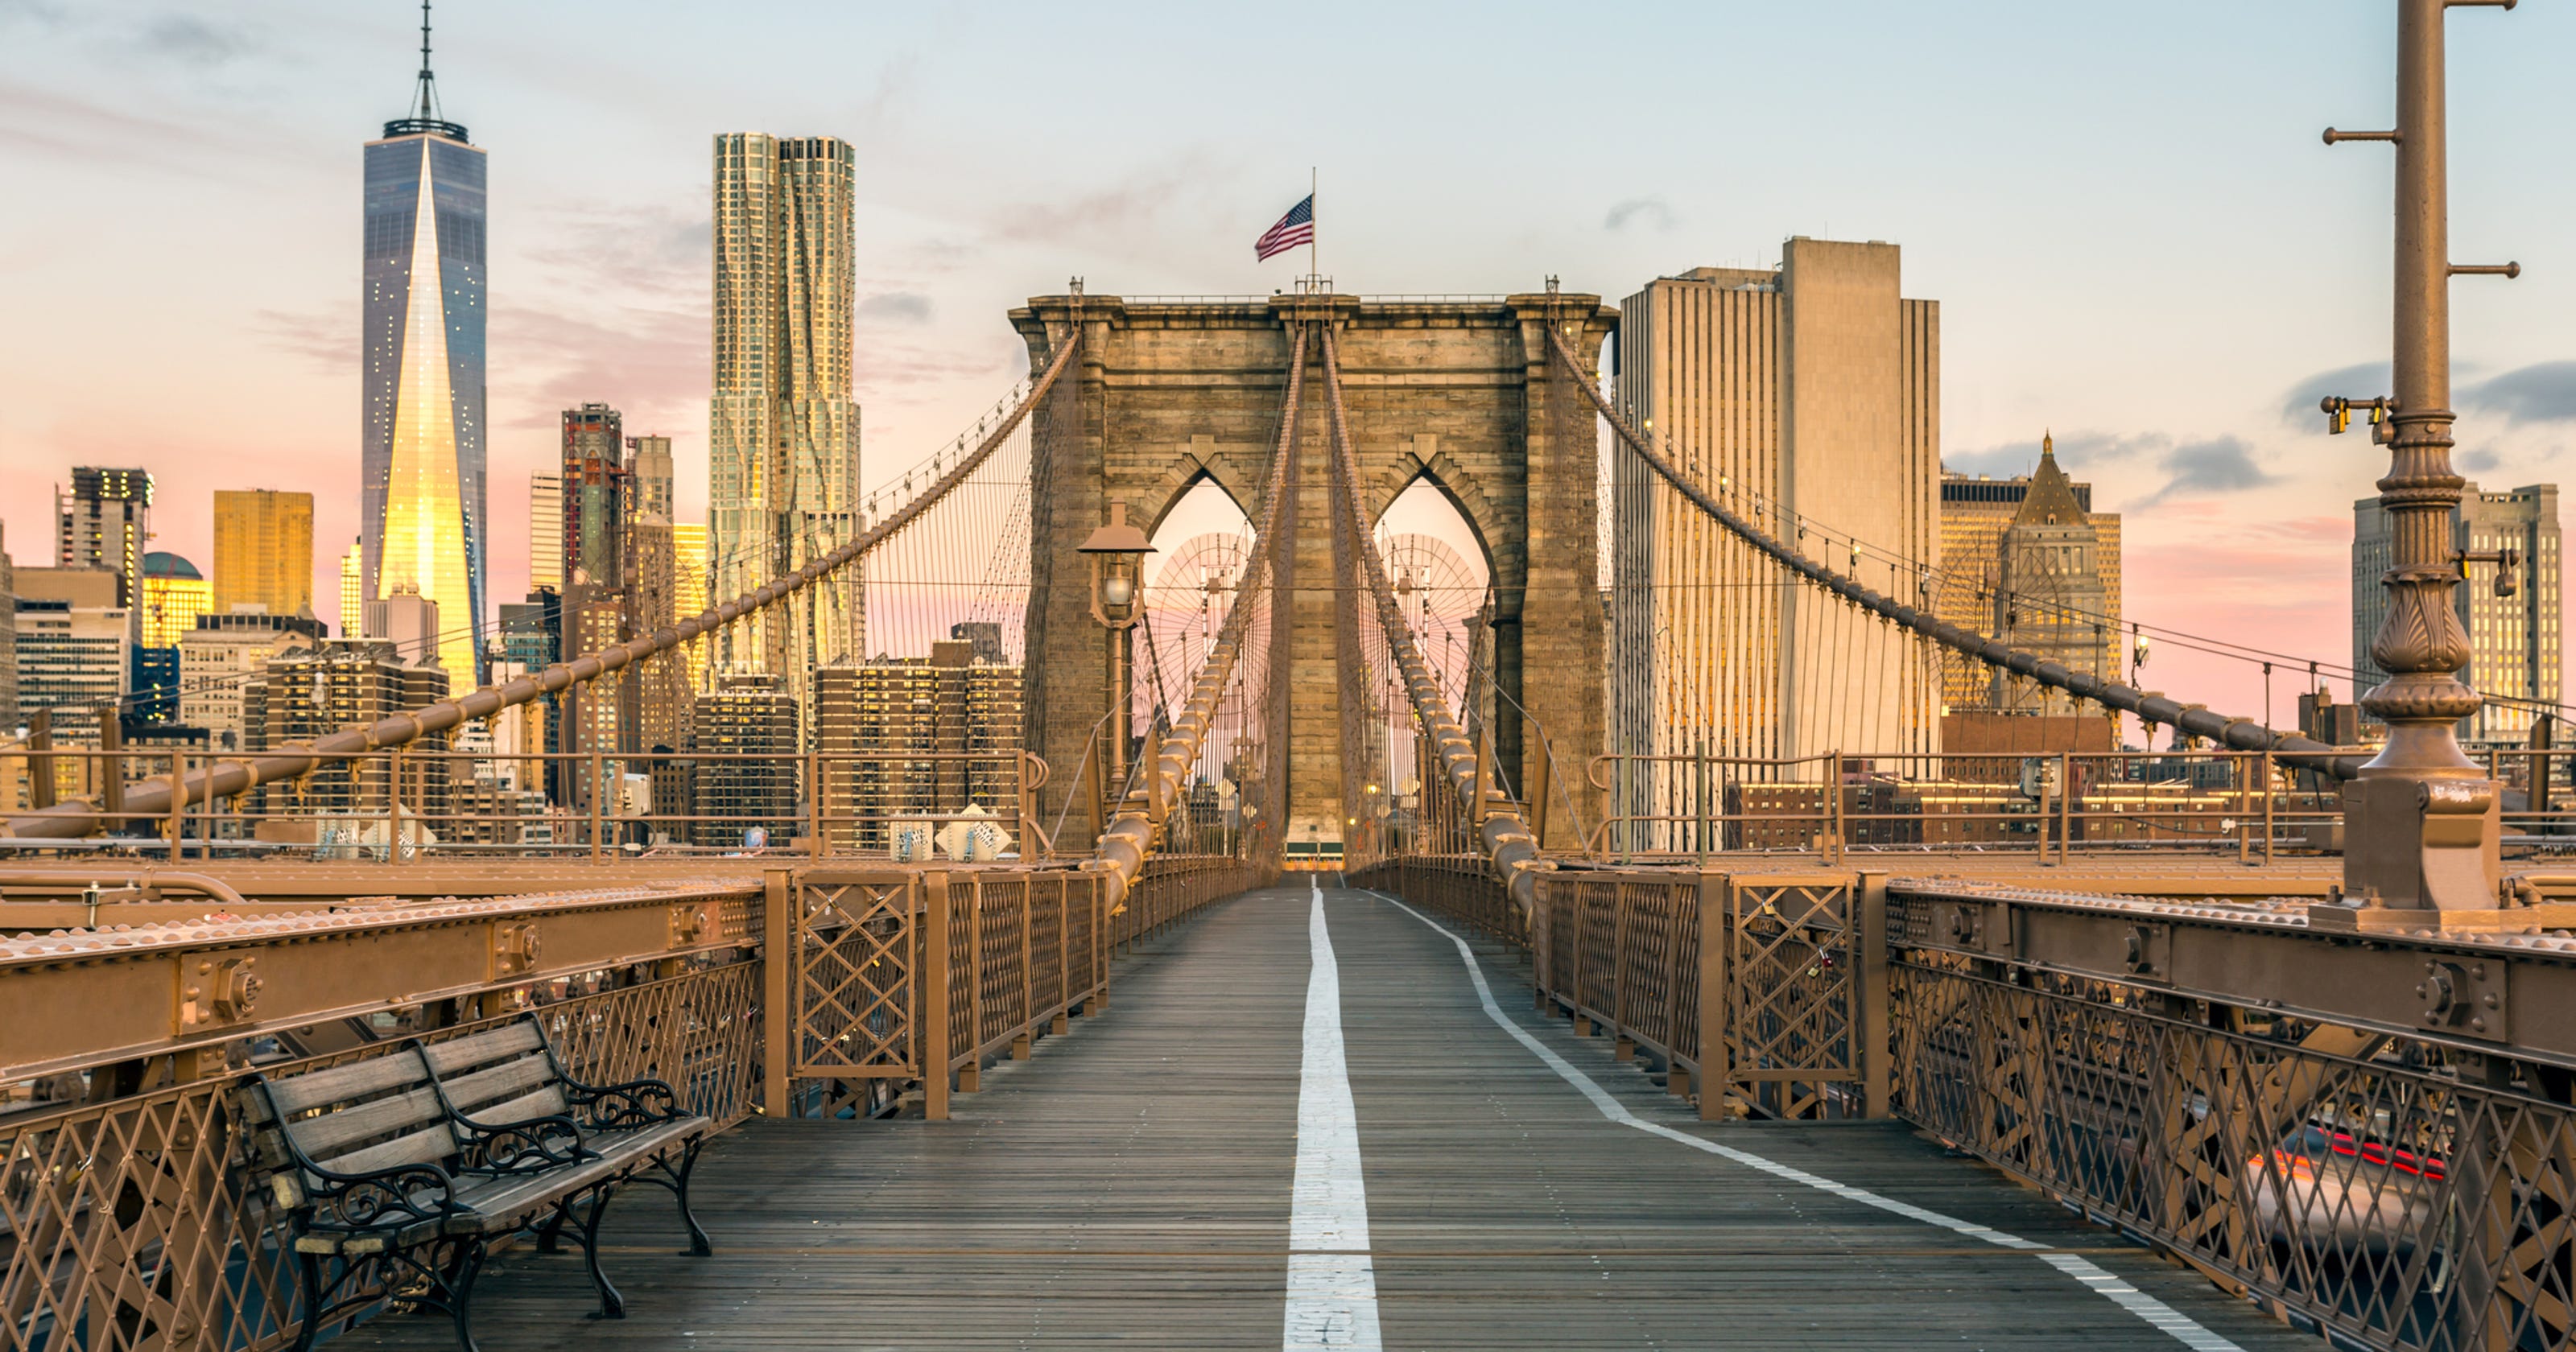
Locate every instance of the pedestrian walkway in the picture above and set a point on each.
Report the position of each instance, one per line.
(1229, 1157)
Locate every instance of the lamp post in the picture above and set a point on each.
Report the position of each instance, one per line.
(1117, 552)
(2421, 823)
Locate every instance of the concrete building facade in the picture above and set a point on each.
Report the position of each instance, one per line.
(309, 693)
(2048, 598)
(1975, 510)
(1807, 398)
(545, 530)
(2516, 648)
(104, 521)
(220, 658)
(75, 649)
(752, 730)
(915, 737)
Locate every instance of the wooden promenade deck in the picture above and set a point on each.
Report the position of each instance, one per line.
(1131, 1185)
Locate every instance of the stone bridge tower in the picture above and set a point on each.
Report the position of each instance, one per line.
(1462, 392)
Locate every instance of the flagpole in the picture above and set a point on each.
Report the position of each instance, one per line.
(1314, 227)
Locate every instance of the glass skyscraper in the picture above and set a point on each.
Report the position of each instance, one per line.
(425, 520)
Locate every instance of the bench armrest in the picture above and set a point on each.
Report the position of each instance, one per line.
(530, 1146)
(636, 1103)
(383, 1199)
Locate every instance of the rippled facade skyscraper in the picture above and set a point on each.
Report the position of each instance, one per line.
(424, 522)
(783, 426)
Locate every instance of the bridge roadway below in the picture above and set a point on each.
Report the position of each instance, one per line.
(1131, 1184)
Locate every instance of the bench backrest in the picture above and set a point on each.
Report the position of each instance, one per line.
(500, 1076)
(356, 1118)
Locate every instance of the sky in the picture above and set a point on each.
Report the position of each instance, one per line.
(2135, 234)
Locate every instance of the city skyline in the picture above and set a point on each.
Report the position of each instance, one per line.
(2061, 283)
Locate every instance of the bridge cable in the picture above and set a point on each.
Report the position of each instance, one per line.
(1505, 839)
(1132, 833)
(152, 798)
(2234, 733)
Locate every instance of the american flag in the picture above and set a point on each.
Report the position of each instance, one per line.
(1295, 228)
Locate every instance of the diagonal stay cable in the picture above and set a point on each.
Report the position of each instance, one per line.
(1130, 838)
(2238, 734)
(152, 798)
(1507, 840)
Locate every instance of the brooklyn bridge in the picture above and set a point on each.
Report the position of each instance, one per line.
(1340, 960)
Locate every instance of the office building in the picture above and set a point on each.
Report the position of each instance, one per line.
(531, 641)
(750, 729)
(783, 428)
(353, 593)
(1808, 399)
(410, 623)
(915, 737)
(104, 521)
(423, 518)
(659, 690)
(595, 493)
(263, 551)
(174, 595)
(221, 656)
(310, 693)
(2048, 597)
(689, 594)
(2515, 644)
(75, 648)
(545, 531)
(8, 637)
(1975, 511)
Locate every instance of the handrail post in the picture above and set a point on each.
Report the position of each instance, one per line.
(1877, 1056)
(814, 804)
(2268, 807)
(40, 759)
(930, 1021)
(2245, 810)
(178, 800)
(2065, 804)
(1713, 938)
(598, 767)
(393, 806)
(778, 966)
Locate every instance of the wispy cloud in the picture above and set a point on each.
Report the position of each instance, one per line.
(2542, 392)
(896, 307)
(1640, 211)
(190, 39)
(2218, 465)
(2366, 380)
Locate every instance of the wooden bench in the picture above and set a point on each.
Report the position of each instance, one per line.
(402, 1171)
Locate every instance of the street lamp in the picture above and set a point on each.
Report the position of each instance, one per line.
(1117, 551)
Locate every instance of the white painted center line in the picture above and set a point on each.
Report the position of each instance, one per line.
(2095, 1278)
(1332, 1290)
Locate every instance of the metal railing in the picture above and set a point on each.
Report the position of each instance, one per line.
(130, 1218)
(408, 804)
(2253, 804)
(2374, 1135)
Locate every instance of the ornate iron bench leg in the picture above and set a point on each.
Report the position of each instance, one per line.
(611, 1304)
(308, 1274)
(460, 1293)
(699, 1245)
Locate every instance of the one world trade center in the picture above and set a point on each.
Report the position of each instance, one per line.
(424, 523)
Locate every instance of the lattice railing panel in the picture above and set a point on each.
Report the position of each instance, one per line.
(2394, 1202)
(855, 975)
